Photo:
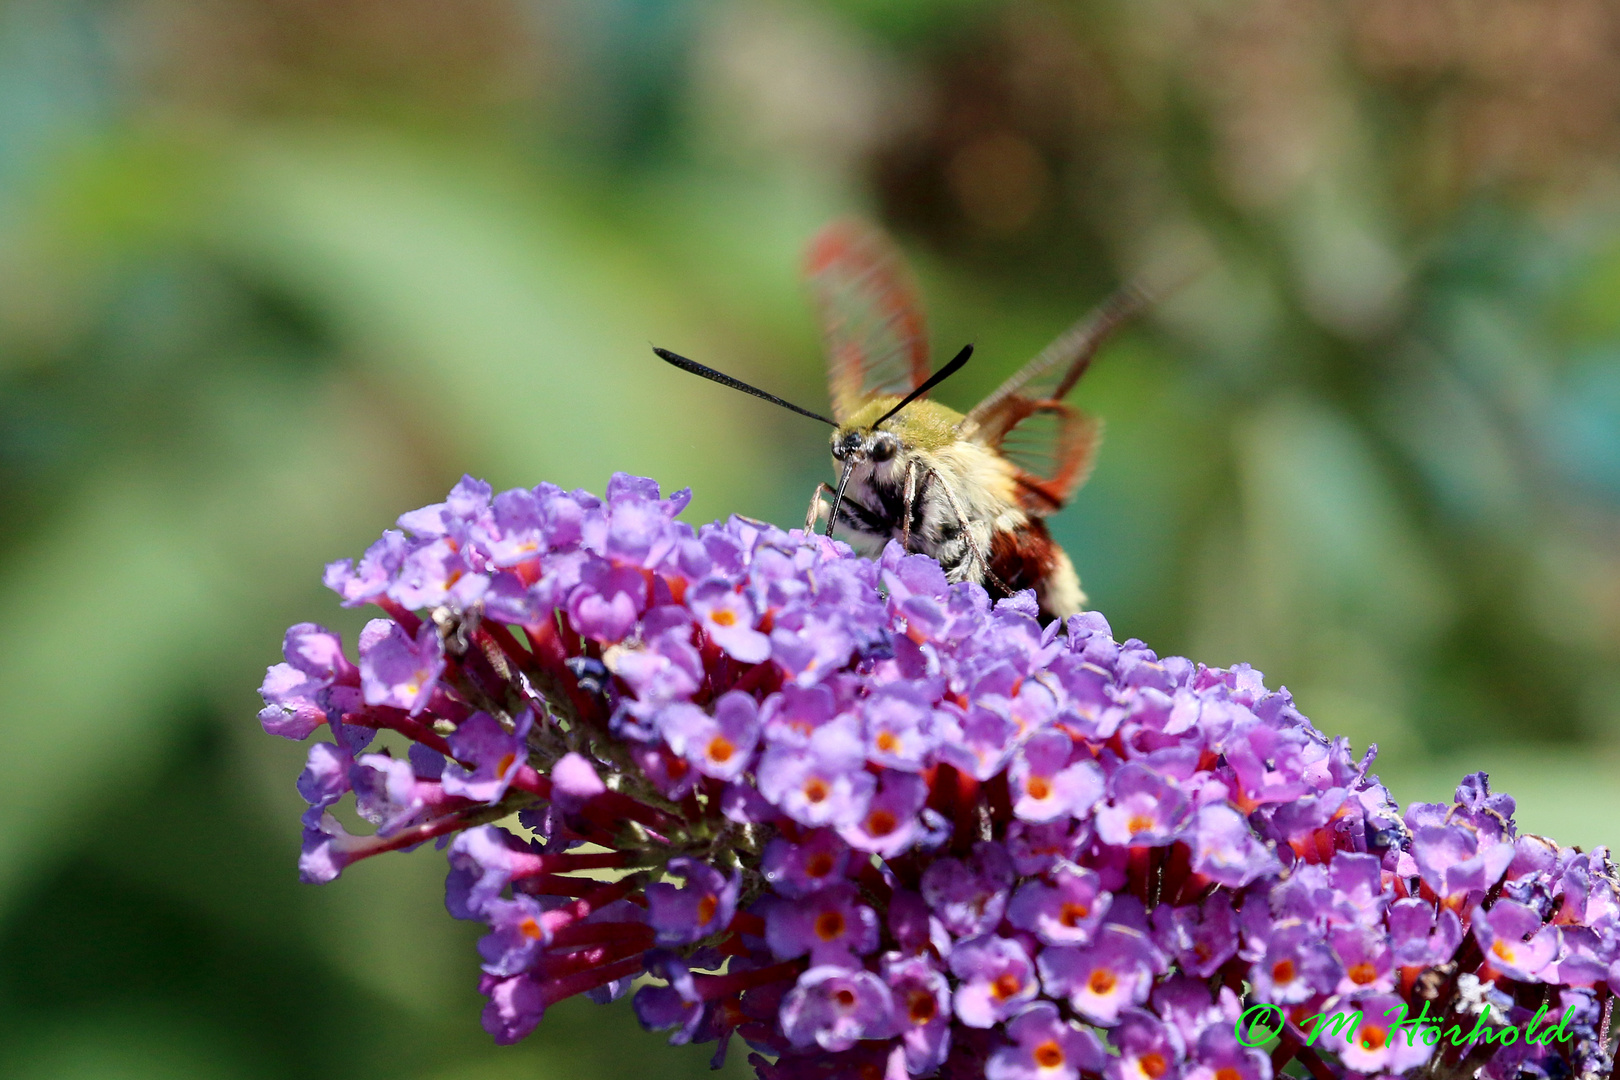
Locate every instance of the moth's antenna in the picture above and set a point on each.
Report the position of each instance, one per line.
(932, 381)
(838, 496)
(737, 384)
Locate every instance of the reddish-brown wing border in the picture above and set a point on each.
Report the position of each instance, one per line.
(1059, 442)
(871, 315)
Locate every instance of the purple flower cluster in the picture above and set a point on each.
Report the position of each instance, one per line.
(878, 827)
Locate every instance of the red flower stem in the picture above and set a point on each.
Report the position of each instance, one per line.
(409, 621)
(612, 809)
(415, 835)
(555, 920)
(392, 719)
(527, 865)
(557, 885)
(1137, 867)
(557, 965)
(583, 934)
(759, 677)
(532, 782)
(746, 922)
(712, 987)
(569, 985)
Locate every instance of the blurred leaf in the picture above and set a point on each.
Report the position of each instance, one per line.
(519, 329)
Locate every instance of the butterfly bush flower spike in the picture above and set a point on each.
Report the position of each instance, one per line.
(872, 825)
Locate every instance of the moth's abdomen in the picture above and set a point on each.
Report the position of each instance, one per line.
(1028, 558)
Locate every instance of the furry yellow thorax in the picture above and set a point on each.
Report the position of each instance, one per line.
(922, 425)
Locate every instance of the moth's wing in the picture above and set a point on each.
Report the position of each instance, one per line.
(1053, 444)
(1056, 368)
(877, 338)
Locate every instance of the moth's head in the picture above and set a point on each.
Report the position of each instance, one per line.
(921, 425)
(854, 443)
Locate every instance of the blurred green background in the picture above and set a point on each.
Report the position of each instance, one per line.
(273, 271)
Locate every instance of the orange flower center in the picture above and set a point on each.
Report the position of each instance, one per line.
(706, 908)
(1372, 1038)
(887, 742)
(505, 763)
(1072, 913)
(921, 1007)
(1049, 1055)
(1153, 1065)
(530, 929)
(819, 866)
(880, 823)
(1102, 980)
(1228, 1073)
(1140, 823)
(1038, 787)
(1282, 971)
(816, 790)
(846, 998)
(721, 749)
(724, 617)
(1006, 985)
(1363, 973)
(830, 925)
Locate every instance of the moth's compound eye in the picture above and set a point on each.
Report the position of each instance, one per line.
(884, 449)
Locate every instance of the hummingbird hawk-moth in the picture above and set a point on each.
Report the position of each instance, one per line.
(971, 490)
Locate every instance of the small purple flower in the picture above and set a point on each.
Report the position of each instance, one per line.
(1144, 808)
(704, 905)
(1103, 979)
(722, 745)
(517, 935)
(997, 979)
(830, 924)
(1376, 1046)
(326, 775)
(794, 870)
(1067, 912)
(1219, 1056)
(494, 753)
(890, 824)
(1200, 937)
(835, 1008)
(1035, 849)
(1149, 1049)
(574, 781)
(1225, 849)
(1045, 786)
(516, 1005)
(1044, 1047)
(396, 670)
(1514, 940)
(898, 726)
(316, 677)
(728, 618)
(821, 784)
(970, 897)
(676, 1005)
(922, 1010)
(1297, 965)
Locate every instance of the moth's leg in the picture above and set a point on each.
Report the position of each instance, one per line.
(908, 503)
(969, 539)
(818, 506)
